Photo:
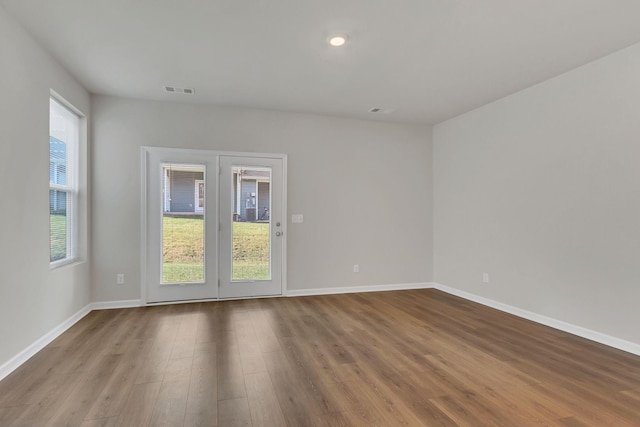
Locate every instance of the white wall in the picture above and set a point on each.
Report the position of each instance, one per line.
(33, 298)
(362, 186)
(542, 191)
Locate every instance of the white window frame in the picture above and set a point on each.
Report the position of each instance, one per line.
(71, 188)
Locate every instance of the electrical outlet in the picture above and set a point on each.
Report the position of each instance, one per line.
(356, 268)
(485, 277)
(120, 278)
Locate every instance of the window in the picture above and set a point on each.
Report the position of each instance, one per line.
(64, 132)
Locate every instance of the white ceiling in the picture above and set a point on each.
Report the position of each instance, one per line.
(428, 60)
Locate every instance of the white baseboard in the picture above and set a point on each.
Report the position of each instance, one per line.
(357, 289)
(109, 305)
(17, 360)
(598, 337)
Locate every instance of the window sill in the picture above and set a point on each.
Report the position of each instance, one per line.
(68, 262)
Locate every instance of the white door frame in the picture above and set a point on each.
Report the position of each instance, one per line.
(168, 153)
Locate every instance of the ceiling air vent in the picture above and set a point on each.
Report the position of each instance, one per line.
(173, 89)
(380, 110)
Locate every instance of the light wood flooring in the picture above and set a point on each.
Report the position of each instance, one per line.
(407, 358)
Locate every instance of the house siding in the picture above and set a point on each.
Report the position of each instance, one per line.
(247, 187)
(182, 190)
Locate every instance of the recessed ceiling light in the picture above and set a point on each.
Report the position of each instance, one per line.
(338, 40)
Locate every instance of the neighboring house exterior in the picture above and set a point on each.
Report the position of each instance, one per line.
(184, 192)
(57, 175)
(251, 189)
(181, 185)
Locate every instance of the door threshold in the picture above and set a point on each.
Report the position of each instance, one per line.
(150, 304)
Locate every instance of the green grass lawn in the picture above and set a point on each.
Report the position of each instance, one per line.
(250, 250)
(183, 250)
(58, 237)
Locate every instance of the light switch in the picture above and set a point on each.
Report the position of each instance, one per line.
(297, 218)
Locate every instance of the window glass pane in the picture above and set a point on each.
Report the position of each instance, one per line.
(64, 131)
(58, 224)
(57, 161)
(183, 223)
(251, 257)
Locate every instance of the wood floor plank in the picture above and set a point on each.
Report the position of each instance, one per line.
(178, 370)
(501, 388)
(38, 414)
(334, 419)
(73, 335)
(140, 404)
(202, 402)
(230, 381)
(9, 414)
(249, 346)
(75, 407)
(209, 323)
(468, 410)
(102, 422)
(185, 342)
(297, 402)
(399, 399)
(119, 386)
(418, 357)
(171, 404)
(230, 375)
(263, 403)
(19, 389)
(633, 394)
(571, 422)
(266, 337)
(354, 405)
(155, 366)
(234, 413)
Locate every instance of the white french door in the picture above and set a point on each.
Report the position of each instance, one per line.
(181, 237)
(214, 225)
(252, 226)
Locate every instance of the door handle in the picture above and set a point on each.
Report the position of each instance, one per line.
(279, 233)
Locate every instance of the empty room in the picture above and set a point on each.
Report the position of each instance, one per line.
(339, 213)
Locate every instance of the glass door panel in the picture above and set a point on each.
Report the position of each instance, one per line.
(183, 224)
(181, 233)
(251, 226)
(251, 244)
